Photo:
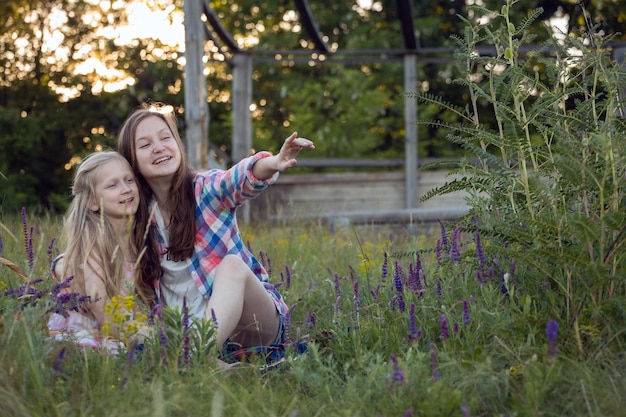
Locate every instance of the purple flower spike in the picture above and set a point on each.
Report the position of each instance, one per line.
(214, 317)
(357, 298)
(434, 363)
(438, 249)
(438, 288)
(455, 253)
(397, 280)
(49, 251)
(397, 376)
(444, 327)
(311, 319)
(287, 276)
(467, 319)
(444, 234)
(384, 268)
(337, 288)
(465, 411)
(414, 333)
(59, 361)
(552, 333)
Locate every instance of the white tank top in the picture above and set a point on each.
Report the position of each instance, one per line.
(176, 282)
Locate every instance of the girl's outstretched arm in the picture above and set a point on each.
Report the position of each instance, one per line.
(265, 168)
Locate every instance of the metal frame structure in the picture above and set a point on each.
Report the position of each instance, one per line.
(196, 109)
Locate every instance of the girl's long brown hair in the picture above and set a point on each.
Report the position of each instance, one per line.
(181, 204)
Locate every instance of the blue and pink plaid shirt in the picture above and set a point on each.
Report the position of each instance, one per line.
(218, 194)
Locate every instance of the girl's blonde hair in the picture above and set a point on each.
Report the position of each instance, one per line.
(89, 236)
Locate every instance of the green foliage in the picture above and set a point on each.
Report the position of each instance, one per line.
(493, 358)
(550, 182)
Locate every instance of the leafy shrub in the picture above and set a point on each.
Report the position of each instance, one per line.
(548, 190)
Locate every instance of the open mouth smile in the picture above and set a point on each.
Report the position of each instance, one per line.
(158, 161)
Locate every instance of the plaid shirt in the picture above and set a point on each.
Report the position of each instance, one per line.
(218, 194)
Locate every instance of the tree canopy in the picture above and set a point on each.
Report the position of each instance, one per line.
(70, 73)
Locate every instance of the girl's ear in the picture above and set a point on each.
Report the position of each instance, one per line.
(94, 206)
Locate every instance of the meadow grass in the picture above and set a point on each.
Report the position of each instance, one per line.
(397, 324)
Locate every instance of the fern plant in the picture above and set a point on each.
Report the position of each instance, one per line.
(547, 127)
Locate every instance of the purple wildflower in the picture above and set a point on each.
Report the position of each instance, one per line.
(455, 327)
(438, 249)
(418, 262)
(397, 376)
(408, 412)
(311, 319)
(444, 327)
(385, 270)
(434, 363)
(25, 230)
(552, 333)
(438, 288)
(288, 277)
(467, 319)
(479, 276)
(357, 298)
(214, 318)
(465, 411)
(352, 272)
(49, 251)
(444, 234)
(374, 295)
(455, 253)
(30, 253)
(337, 287)
(59, 361)
(1, 245)
(266, 262)
(397, 280)
(414, 333)
(503, 289)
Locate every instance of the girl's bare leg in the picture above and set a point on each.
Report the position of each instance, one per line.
(244, 311)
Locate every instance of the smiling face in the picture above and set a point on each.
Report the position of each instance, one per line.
(157, 151)
(116, 191)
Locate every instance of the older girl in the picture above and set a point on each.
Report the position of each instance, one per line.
(202, 258)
